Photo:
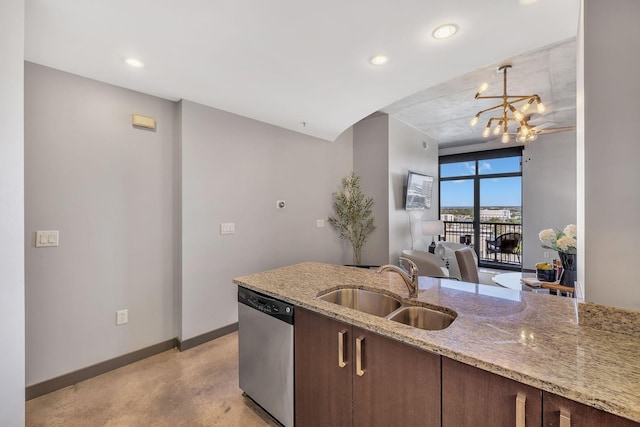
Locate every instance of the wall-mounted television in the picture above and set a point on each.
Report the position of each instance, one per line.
(417, 194)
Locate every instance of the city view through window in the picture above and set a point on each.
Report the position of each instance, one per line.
(481, 205)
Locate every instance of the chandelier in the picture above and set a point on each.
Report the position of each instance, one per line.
(524, 133)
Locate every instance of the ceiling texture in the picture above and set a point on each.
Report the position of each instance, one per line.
(304, 66)
(444, 111)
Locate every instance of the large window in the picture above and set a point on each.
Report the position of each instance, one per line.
(481, 200)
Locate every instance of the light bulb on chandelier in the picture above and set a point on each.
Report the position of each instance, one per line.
(509, 112)
(496, 131)
(487, 130)
(526, 106)
(517, 114)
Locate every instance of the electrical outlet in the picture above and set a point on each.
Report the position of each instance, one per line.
(319, 223)
(122, 317)
(546, 254)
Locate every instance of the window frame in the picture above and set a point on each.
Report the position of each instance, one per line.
(476, 157)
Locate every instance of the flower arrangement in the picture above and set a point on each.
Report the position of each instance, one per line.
(563, 241)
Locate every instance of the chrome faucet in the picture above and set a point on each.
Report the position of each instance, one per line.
(411, 279)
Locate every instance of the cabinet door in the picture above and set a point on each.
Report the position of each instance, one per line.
(394, 384)
(473, 397)
(323, 389)
(562, 412)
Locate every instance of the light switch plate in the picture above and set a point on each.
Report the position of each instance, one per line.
(227, 228)
(45, 239)
(319, 223)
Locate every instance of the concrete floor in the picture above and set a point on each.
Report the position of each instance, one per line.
(198, 387)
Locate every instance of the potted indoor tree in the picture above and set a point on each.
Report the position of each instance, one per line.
(353, 217)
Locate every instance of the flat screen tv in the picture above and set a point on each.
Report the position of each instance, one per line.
(417, 195)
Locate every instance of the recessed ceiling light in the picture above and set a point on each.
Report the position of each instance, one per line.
(134, 62)
(445, 31)
(379, 60)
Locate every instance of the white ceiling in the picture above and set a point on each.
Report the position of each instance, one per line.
(286, 62)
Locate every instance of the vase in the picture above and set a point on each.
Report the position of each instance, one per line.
(569, 274)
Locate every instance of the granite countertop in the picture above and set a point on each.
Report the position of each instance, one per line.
(532, 338)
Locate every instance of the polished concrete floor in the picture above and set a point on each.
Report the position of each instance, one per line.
(198, 387)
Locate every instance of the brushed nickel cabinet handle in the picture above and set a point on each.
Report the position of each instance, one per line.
(359, 370)
(565, 419)
(521, 401)
(341, 337)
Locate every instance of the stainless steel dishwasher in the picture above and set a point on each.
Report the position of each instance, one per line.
(265, 348)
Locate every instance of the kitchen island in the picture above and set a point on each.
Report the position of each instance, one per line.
(583, 352)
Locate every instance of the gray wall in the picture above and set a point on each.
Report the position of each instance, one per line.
(407, 152)
(371, 163)
(385, 149)
(234, 170)
(12, 369)
(608, 90)
(109, 188)
(139, 214)
(548, 191)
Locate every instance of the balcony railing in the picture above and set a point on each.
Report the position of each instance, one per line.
(462, 232)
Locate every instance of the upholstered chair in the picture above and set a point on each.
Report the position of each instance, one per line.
(467, 264)
(449, 254)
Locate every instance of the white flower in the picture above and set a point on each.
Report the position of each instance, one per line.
(547, 235)
(570, 230)
(561, 241)
(565, 242)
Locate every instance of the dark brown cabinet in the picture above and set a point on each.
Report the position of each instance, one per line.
(322, 389)
(349, 376)
(473, 397)
(562, 412)
(394, 384)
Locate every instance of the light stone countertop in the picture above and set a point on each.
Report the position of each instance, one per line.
(531, 338)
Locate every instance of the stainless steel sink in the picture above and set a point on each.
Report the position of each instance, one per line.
(386, 306)
(362, 300)
(423, 318)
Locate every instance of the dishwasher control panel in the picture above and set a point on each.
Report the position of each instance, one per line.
(266, 304)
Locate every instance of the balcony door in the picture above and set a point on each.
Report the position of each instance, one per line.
(481, 200)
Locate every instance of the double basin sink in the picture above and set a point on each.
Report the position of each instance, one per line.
(390, 308)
